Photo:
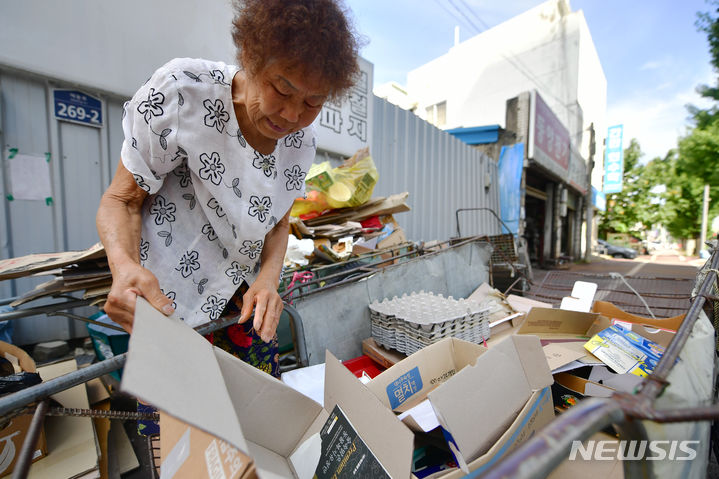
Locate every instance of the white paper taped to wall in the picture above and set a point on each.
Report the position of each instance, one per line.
(29, 177)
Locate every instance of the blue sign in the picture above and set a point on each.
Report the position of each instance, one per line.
(613, 160)
(404, 387)
(511, 164)
(77, 107)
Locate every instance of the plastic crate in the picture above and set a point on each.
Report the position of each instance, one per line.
(107, 342)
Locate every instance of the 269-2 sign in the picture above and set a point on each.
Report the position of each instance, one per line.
(77, 107)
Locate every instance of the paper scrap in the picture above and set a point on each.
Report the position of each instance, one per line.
(30, 177)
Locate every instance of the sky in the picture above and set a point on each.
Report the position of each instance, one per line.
(652, 55)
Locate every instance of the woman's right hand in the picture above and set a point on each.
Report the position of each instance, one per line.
(129, 281)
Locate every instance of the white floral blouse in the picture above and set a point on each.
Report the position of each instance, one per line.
(213, 198)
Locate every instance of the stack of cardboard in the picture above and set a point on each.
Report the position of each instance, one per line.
(74, 271)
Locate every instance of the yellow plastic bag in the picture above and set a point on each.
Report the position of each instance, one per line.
(348, 185)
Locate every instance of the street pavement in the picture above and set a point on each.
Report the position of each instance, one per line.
(660, 264)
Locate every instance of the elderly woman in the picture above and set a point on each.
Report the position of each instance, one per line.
(196, 217)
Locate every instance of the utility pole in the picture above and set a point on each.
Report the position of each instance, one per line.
(705, 214)
(588, 201)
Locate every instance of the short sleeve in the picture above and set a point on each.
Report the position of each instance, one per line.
(150, 123)
(306, 156)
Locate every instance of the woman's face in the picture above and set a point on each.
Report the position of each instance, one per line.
(281, 101)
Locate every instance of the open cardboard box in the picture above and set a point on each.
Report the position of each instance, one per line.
(486, 400)
(564, 326)
(12, 436)
(612, 312)
(279, 428)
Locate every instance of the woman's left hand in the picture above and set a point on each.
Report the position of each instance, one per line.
(263, 297)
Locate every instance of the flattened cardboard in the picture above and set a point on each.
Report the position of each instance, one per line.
(499, 385)
(559, 354)
(34, 263)
(203, 386)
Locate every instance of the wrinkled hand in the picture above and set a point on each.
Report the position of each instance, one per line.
(263, 297)
(129, 281)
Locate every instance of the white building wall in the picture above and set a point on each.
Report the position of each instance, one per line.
(113, 46)
(547, 48)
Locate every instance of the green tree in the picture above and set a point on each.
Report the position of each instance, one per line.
(698, 155)
(632, 210)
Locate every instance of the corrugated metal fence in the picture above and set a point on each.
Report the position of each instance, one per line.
(81, 161)
(440, 172)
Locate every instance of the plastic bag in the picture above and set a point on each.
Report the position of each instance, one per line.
(348, 185)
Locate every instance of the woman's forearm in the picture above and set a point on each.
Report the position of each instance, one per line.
(273, 252)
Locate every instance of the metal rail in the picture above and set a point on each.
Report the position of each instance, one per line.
(364, 271)
(541, 454)
(17, 400)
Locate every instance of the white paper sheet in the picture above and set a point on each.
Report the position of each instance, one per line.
(29, 177)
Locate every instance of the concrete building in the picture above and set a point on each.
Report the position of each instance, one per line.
(542, 59)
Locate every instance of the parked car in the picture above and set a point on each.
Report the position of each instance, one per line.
(616, 251)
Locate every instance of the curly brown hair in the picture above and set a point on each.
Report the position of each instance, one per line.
(315, 36)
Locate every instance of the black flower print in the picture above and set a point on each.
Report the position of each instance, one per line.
(216, 116)
(213, 204)
(181, 155)
(238, 272)
(212, 168)
(162, 210)
(209, 231)
(214, 306)
(251, 248)
(152, 106)
(188, 263)
(141, 182)
(295, 178)
(266, 163)
(183, 172)
(219, 77)
(260, 207)
(144, 249)
(294, 139)
(171, 295)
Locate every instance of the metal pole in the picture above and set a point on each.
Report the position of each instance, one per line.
(705, 214)
(590, 206)
(24, 458)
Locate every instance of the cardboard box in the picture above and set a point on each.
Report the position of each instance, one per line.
(278, 427)
(612, 312)
(536, 413)
(179, 441)
(12, 438)
(556, 325)
(499, 386)
(508, 384)
(408, 382)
